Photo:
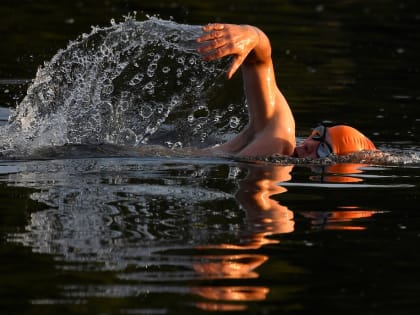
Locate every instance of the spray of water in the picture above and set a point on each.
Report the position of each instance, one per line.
(120, 84)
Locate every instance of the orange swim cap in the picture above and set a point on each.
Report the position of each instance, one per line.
(345, 140)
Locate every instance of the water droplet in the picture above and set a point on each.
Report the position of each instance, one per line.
(308, 244)
(149, 86)
(177, 145)
(125, 38)
(211, 68)
(400, 50)
(203, 137)
(234, 122)
(127, 136)
(192, 61)
(159, 108)
(151, 69)
(201, 111)
(178, 73)
(69, 21)
(146, 111)
(136, 79)
(156, 57)
(181, 60)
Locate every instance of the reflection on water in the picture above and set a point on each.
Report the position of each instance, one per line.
(163, 226)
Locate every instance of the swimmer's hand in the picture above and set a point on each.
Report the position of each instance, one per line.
(247, 44)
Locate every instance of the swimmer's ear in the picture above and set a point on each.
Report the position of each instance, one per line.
(236, 63)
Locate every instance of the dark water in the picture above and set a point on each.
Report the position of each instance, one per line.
(115, 230)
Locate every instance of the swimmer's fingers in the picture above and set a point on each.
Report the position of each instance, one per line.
(215, 51)
(210, 36)
(211, 32)
(222, 52)
(210, 46)
(213, 26)
(220, 40)
(210, 54)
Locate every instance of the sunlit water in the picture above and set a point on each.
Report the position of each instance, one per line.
(104, 210)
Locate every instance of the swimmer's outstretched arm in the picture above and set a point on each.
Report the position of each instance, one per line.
(271, 127)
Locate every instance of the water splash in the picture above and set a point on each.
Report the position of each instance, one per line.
(393, 157)
(119, 85)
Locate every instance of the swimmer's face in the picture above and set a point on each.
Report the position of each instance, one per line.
(317, 145)
(307, 148)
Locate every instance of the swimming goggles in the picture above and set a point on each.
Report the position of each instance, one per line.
(324, 148)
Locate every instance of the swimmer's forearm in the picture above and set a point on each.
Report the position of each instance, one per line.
(235, 145)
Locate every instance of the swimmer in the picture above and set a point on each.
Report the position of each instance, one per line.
(271, 126)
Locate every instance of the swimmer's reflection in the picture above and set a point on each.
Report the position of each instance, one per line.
(267, 216)
(345, 215)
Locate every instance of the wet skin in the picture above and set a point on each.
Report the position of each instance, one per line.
(308, 147)
(271, 127)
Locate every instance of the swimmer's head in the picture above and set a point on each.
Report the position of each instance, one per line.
(338, 140)
(345, 140)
